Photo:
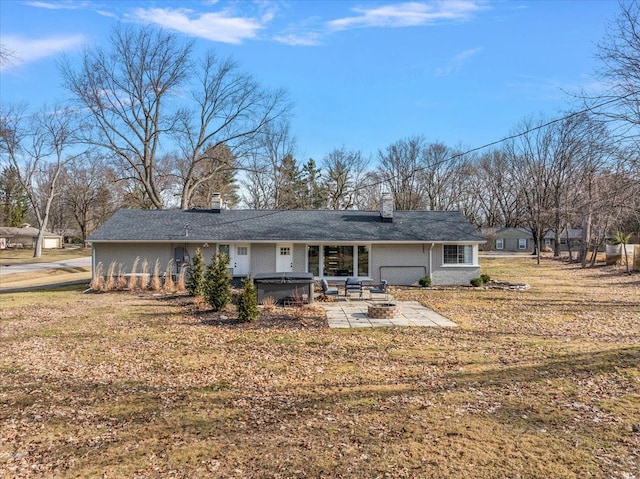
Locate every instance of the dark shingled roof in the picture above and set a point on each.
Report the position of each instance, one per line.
(285, 225)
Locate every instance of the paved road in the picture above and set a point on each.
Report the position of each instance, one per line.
(9, 268)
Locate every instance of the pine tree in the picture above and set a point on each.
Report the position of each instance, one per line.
(196, 283)
(218, 282)
(14, 204)
(248, 302)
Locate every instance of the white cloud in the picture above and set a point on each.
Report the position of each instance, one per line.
(27, 50)
(64, 5)
(294, 39)
(216, 26)
(456, 63)
(408, 14)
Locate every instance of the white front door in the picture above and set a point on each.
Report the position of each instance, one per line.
(284, 257)
(240, 262)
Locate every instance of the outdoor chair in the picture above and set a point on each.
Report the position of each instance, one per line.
(380, 288)
(351, 286)
(326, 290)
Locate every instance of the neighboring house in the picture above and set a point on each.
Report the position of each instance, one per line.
(568, 237)
(508, 240)
(26, 237)
(398, 246)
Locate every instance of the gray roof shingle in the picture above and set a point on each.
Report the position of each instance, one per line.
(285, 225)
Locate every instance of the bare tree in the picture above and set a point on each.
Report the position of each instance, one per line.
(619, 54)
(496, 191)
(399, 169)
(531, 158)
(343, 175)
(264, 182)
(87, 194)
(127, 92)
(7, 56)
(232, 111)
(37, 147)
(145, 94)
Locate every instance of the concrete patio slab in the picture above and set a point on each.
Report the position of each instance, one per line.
(353, 314)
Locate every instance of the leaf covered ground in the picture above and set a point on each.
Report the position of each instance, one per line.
(533, 384)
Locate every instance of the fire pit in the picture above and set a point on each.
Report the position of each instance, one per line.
(383, 310)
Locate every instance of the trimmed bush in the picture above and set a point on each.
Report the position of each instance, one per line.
(425, 281)
(248, 302)
(195, 285)
(218, 282)
(477, 282)
(485, 278)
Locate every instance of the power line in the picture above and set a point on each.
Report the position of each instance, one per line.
(502, 140)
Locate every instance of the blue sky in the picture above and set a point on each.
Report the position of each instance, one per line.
(361, 74)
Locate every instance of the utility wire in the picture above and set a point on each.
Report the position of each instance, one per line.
(459, 155)
(497, 142)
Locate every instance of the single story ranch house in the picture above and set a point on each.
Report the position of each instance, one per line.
(398, 246)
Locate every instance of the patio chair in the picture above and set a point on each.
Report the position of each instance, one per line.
(351, 286)
(380, 288)
(326, 290)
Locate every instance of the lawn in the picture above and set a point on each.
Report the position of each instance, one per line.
(533, 384)
(43, 277)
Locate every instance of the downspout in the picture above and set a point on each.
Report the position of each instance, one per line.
(93, 263)
(431, 260)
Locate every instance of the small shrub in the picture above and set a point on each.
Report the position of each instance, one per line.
(110, 282)
(425, 281)
(196, 283)
(180, 283)
(269, 303)
(133, 279)
(218, 282)
(248, 302)
(476, 282)
(168, 285)
(97, 283)
(144, 278)
(121, 282)
(485, 278)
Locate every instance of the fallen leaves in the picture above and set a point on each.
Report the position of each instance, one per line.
(536, 383)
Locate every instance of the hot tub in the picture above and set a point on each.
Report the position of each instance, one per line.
(285, 287)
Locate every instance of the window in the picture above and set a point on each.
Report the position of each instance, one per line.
(242, 251)
(547, 241)
(338, 260)
(314, 260)
(500, 243)
(223, 249)
(285, 251)
(363, 261)
(522, 243)
(458, 254)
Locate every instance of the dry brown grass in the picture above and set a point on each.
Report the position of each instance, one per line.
(535, 384)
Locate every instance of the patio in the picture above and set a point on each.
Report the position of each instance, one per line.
(353, 314)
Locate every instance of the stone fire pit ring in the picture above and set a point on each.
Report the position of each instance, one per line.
(383, 310)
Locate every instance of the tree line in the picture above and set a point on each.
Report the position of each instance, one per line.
(153, 125)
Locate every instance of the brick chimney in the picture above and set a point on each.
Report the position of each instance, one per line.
(386, 207)
(216, 202)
